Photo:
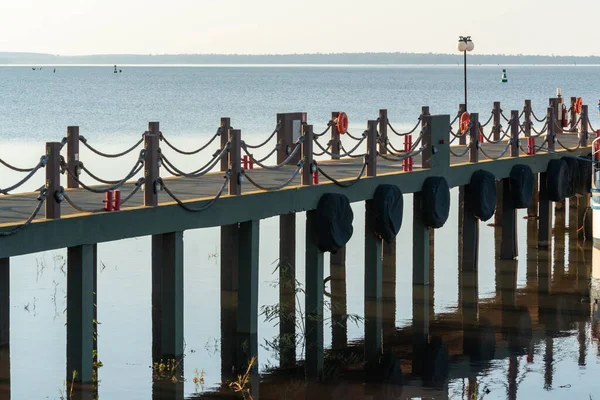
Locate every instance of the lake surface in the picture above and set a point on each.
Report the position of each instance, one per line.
(113, 110)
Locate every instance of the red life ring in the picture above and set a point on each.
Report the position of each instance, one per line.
(578, 104)
(465, 120)
(342, 123)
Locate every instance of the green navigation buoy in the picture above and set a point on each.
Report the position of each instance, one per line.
(504, 78)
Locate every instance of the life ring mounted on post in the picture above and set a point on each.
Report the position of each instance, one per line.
(342, 123)
(465, 120)
(578, 104)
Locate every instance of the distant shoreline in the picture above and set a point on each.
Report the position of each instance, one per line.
(233, 65)
(345, 59)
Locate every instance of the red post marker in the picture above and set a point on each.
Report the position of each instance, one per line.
(481, 137)
(245, 162)
(315, 178)
(117, 198)
(250, 163)
(531, 146)
(108, 206)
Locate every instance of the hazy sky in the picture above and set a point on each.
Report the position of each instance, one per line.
(282, 26)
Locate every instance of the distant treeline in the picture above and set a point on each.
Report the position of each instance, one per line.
(337, 58)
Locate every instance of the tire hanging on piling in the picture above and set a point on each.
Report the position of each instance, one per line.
(436, 201)
(573, 167)
(521, 185)
(557, 180)
(480, 194)
(334, 222)
(388, 209)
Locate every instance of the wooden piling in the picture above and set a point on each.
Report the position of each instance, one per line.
(572, 115)
(335, 137)
(463, 138)
(421, 287)
(313, 300)
(583, 133)
(474, 138)
(496, 111)
(235, 157)
(545, 213)
(224, 133)
(247, 315)
(287, 288)
(52, 180)
(551, 131)
(509, 246)
(167, 296)
(470, 238)
(80, 312)
(4, 303)
(307, 155)
(388, 308)
(372, 148)
(72, 156)
(290, 129)
(383, 131)
(339, 308)
(151, 169)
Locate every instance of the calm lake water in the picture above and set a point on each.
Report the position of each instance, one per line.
(113, 110)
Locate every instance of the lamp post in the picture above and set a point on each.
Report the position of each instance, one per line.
(465, 44)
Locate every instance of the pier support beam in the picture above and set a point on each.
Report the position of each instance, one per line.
(421, 286)
(339, 308)
(81, 263)
(373, 285)
(167, 296)
(5, 328)
(508, 247)
(545, 214)
(532, 210)
(388, 308)
(470, 239)
(313, 300)
(287, 289)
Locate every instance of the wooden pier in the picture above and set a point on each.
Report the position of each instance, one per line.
(236, 197)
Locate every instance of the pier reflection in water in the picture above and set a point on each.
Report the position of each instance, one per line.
(535, 333)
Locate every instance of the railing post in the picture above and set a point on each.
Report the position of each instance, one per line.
(514, 133)
(372, 148)
(583, 134)
(527, 122)
(235, 162)
(72, 156)
(307, 155)
(335, 137)
(151, 159)
(496, 129)
(551, 130)
(224, 133)
(573, 114)
(383, 135)
(461, 109)
(474, 138)
(52, 180)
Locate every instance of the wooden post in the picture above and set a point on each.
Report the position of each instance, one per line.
(470, 238)
(436, 133)
(4, 303)
(52, 180)
(462, 109)
(514, 133)
(339, 308)
(496, 112)
(573, 115)
(151, 170)
(72, 155)
(372, 148)
(247, 315)
(583, 134)
(551, 132)
(224, 127)
(167, 296)
(80, 312)
(335, 137)
(289, 130)
(545, 213)
(474, 138)
(307, 154)
(509, 246)
(388, 293)
(383, 131)
(313, 300)
(373, 281)
(527, 115)
(235, 159)
(287, 288)
(421, 278)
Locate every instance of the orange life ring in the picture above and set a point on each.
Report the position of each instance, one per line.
(342, 123)
(465, 120)
(578, 104)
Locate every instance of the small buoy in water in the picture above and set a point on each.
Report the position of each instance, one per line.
(504, 78)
